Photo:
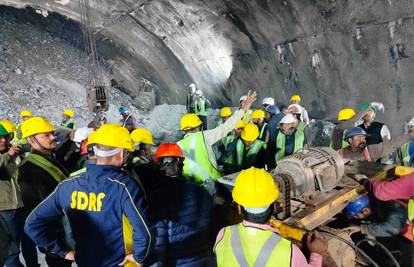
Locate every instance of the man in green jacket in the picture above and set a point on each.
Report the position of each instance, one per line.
(200, 108)
(200, 165)
(405, 153)
(10, 199)
(38, 175)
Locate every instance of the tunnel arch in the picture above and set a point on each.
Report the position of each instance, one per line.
(228, 47)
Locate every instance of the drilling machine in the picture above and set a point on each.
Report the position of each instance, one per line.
(315, 185)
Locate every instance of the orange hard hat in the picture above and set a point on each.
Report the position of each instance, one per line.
(84, 147)
(168, 150)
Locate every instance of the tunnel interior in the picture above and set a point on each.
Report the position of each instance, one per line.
(335, 54)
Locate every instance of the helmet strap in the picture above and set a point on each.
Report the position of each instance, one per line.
(41, 146)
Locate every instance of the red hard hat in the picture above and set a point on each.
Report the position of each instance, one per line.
(168, 150)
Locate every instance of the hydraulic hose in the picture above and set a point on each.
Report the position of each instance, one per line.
(381, 246)
(351, 245)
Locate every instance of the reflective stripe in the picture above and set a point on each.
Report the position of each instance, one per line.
(266, 251)
(237, 247)
(410, 208)
(246, 162)
(280, 145)
(344, 143)
(127, 231)
(227, 140)
(198, 167)
(299, 140)
(247, 116)
(44, 164)
(200, 107)
(66, 124)
(404, 154)
(264, 254)
(76, 173)
(262, 130)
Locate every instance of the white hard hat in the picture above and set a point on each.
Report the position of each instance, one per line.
(81, 134)
(243, 98)
(288, 118)
(411, 122)
(193, 87)
(298, 107)
(198, 92)
(268, 101)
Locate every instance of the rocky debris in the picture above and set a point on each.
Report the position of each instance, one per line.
(45, 74)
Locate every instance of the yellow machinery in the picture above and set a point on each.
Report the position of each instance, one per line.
(316, 184)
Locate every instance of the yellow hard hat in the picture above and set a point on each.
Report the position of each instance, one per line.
(295, 98)
(258, 114)
(8, 125)
(250, 132)
(255, 188)
(241, 124)
(143, 136)
(190, 121)
(92, 138)
(36, 125)
(69, 112)
(225, 112)
(346, 114)
(25, 113)
(112, 135)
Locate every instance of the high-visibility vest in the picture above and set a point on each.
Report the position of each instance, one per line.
(247, 116)
(410, 209)
(67, 124)
(17, 137)
(344, 143)
(281, 143)
(198, 167)
(78, 172)
(404, 154)
(248, 246)
(138, 161)
(200, 107)
(248, 161)
(44, 164)
(263, 131)
(227, 140)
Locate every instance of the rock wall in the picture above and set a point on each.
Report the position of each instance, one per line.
(333, 53)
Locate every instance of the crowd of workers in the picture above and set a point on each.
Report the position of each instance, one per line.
(102, 195)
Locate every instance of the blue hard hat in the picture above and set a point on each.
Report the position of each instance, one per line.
(122, 110)
(353, 132)
(355, 207)
(272, 110)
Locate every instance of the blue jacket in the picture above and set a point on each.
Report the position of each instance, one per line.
(98, 203)
(273, 125)
(181, 213)
(388, 219)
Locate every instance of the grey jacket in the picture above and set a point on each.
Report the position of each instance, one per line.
(10, 197)
(377, 151)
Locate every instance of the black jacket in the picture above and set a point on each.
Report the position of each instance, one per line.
(35, 183)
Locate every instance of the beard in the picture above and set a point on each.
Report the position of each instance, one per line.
(362, 145)
(289, 132)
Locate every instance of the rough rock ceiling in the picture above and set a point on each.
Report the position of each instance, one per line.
(340, 53)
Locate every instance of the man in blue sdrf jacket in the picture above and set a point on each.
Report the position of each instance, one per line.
(105, 208)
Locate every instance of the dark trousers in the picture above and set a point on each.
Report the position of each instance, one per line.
(204, 120)
(14, 227)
